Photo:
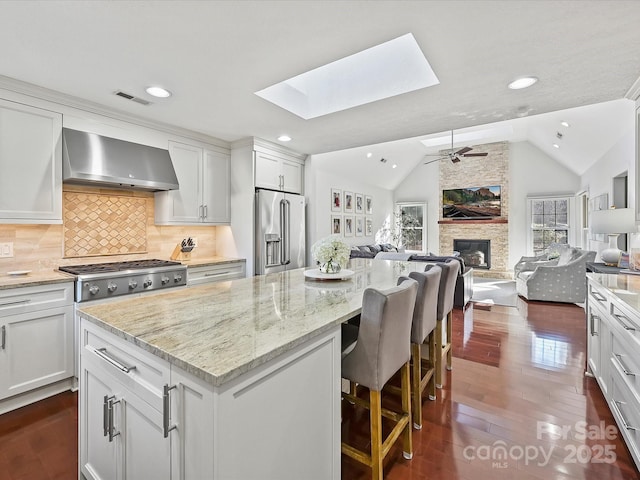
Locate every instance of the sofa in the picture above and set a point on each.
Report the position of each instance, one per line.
(559, 279)
(385, 251)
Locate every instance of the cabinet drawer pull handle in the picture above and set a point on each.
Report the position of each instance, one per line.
(206, 212)
(111, 401)
(598, 296)
(3, 334)
(624, 325)
(105, 416)
(216, 274)
(200, 212)
(625, 424)
(624, 369)
(165, 410)
(102, 353)
(594, 332)
(15, 302)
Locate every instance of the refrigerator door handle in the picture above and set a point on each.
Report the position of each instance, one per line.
(285, 226)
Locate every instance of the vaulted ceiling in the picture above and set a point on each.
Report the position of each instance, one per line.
(213, 56)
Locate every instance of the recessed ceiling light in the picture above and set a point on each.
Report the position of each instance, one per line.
(522, 82)
(394, 166)
(555, 145)
(564, 124)
(369, 155)
(158, 92)
(284, 138)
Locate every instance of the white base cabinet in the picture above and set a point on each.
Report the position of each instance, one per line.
(613, 343)
(278, 421)
(36, 339)
(215, 273)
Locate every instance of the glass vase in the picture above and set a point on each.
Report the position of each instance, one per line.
(330, 267)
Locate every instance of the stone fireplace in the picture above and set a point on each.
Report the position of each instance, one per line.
(475, 253)
(477, 172)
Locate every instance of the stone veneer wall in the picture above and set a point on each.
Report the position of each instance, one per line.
(477, 172)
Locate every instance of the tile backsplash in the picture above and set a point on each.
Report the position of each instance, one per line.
(43, 246)
(97, 224)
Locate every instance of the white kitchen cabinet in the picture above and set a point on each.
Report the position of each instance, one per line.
(276, 172)
(36, 338)
(192, 441)
(216, 427)
(123, 414)
(215, 273)
(204, 193)
(30, 164)
(613, 340)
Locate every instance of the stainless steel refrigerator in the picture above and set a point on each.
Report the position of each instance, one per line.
(280, 231)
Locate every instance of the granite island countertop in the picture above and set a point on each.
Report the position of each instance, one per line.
(221, 330)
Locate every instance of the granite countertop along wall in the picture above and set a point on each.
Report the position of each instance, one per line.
(221, 330)
(626, 287)
(37, 277)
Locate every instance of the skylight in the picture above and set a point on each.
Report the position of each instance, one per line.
(391, 68)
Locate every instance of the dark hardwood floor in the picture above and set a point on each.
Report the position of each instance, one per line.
(517, 381)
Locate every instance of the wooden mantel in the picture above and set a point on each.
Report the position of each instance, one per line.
(476, 221)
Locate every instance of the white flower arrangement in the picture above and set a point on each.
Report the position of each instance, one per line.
(331, 248)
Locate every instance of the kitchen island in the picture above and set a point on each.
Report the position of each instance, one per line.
(232, 380)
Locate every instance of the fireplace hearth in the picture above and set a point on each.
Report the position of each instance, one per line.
(475, 253)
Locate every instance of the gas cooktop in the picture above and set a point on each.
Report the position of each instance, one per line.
(104, 280)
(93, 268)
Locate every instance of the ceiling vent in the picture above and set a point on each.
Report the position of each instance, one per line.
(133, 98)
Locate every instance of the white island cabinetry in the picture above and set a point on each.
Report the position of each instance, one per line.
(129, 430)
(204, 195)
(31, 164)
(613, 341)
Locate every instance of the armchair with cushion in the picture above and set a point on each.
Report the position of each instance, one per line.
(559, 280)
(548, 257)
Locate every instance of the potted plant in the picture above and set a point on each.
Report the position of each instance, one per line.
(331, 253)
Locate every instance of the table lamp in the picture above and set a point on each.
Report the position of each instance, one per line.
(613, 222)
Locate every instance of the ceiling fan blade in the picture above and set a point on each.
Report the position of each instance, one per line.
(475, 154)
(464, 150)
(434, 160)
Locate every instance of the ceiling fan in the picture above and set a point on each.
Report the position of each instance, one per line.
(454, 156)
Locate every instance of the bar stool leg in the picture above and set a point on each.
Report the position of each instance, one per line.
(438, 352)
(433, 362)
(416, 379)
(407, 451)
(376, 434)
(449, 339)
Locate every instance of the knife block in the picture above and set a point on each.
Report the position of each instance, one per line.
(179, 254)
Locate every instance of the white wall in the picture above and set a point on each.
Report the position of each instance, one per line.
(599, 178)
(318, 185)
(423, 185)
(532, 173)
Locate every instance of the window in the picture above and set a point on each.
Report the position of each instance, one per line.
(411, 221)
(549, 220)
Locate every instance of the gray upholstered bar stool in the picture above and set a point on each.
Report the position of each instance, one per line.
(382, 348)
(425, 319)
(446, 294)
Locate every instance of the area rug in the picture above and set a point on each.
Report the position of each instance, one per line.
(494, 291)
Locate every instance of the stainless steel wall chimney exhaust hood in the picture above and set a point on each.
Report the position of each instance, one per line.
(92, 159)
